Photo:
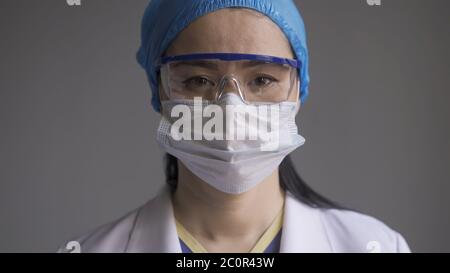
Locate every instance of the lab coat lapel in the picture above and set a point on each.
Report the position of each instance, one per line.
(303, 230)
(154, 229)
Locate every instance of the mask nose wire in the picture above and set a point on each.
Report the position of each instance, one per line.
(223, 82)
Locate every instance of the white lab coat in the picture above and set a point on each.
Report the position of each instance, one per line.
(151, 228)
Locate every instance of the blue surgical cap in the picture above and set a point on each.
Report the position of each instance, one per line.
(164, 19)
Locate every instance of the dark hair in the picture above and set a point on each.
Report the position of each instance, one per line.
(290, 181)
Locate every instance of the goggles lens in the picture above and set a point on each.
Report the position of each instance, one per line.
(253, 80)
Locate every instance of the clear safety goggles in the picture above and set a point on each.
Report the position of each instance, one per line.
(255, 78)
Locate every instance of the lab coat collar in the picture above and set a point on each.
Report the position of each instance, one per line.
(155, 231)
(303, 230)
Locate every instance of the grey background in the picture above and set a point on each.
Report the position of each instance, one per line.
(77, 144)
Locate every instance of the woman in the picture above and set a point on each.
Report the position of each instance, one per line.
(227, 194)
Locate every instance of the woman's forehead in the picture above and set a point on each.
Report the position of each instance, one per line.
(234, 30)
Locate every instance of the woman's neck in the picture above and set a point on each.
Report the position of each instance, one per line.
(226, 222)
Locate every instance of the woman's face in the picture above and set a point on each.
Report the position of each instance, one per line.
(233, 30)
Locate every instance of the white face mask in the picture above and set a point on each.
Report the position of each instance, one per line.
(234, 166)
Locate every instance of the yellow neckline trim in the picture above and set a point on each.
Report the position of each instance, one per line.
(270, 234)
(188, 239)
(263, 242)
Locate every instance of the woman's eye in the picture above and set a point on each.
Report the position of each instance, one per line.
(263, 81)
(196, 82)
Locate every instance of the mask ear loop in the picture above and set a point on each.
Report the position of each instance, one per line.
(222, 84)
(164, 76)
(299, 103)
(295, 78)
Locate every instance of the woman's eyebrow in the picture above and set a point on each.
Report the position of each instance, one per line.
(204, 64)
(252, 63)
(248, 64)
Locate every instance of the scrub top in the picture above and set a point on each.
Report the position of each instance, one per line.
(269, 242)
